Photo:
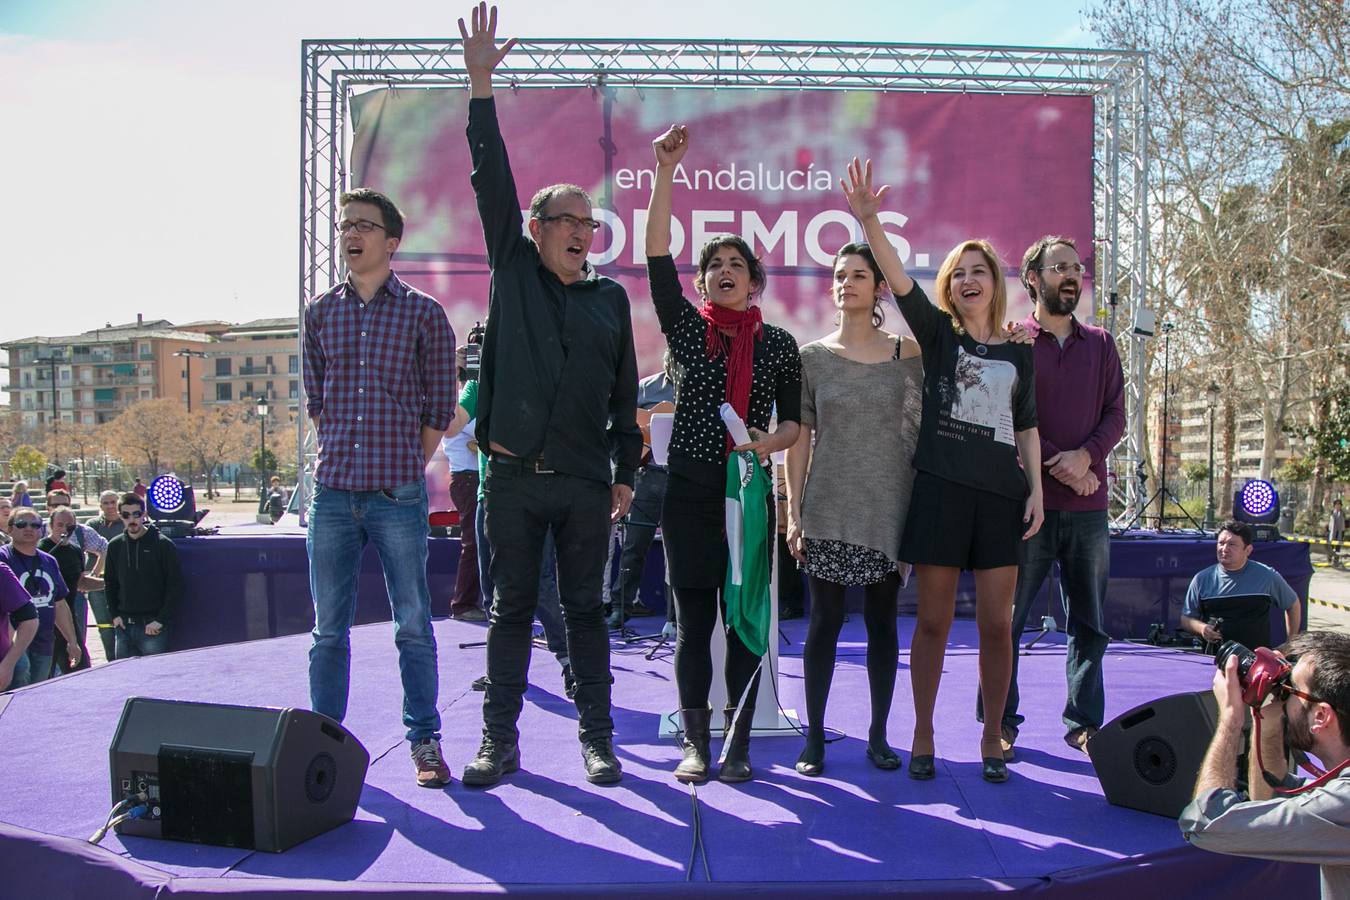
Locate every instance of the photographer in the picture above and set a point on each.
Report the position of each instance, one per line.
(1309, 707)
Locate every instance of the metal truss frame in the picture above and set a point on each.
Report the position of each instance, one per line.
(333, 70)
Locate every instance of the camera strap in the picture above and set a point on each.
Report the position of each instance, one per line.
(1320, 778)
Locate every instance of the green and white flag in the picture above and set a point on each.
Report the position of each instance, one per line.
(747, 585)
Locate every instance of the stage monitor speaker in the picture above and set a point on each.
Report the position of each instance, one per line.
(235, 776)
(1149, 757)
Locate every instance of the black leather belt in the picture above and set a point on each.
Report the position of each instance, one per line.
(533, 466)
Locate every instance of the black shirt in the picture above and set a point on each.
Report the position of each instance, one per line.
(975, 398)
(698, 449)
(559, 371)
(69, 558)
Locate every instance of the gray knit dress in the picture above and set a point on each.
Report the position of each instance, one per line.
(866, 421)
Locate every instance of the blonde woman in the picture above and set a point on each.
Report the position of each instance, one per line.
(977, 491)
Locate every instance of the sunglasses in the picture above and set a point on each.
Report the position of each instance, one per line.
(134, 514)
(1283, 691)
(25, 524)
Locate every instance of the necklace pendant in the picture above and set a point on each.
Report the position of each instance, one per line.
(981, 349)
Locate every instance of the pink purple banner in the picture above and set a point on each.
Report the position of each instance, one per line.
(764, 164)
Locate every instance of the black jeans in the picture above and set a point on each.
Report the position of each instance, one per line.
(521, 507)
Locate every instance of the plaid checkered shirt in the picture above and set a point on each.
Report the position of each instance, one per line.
(375, 374)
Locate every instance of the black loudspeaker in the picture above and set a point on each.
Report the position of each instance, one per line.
(1148, 758)
(236, 776)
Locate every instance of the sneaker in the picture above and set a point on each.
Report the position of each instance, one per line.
(479, 683)
(639, 609)
(614, 621)
(432, 772)
(602, 767)
(1079, 737)
(472, 614)
(569, 683)
(495, 758)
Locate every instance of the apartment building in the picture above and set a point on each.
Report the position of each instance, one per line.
(90, 378)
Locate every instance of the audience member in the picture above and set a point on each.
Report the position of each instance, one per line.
(6, 508)
(40, 576)
(57, 481)
(61, 543)
(139, 489)
(1335, 532)
(17, 612)
(1236, 574)
(19, 496)
(143, 582)
(108, 525)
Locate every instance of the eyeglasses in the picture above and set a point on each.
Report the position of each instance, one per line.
(572, 222)
(1064, 268)
(25, 524)
(134, 514)
(364, 226)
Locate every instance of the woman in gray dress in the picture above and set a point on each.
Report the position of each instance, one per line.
(860, 417)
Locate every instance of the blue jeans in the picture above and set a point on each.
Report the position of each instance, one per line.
(98, 603)
(1081, 543)
(341, 523)
(549, 611)
(131, 639)
(30, 668)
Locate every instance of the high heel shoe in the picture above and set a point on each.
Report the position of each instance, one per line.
(923, 765)
(812, 761)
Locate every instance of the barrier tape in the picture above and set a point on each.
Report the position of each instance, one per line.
(1340, 606)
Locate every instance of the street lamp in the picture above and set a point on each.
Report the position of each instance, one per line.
(51, 361)
(1212, 401)
(188, 355)
(262, 440)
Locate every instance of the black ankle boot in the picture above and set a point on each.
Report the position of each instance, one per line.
(694, 767)
(735, 765)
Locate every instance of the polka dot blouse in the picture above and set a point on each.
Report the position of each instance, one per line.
(698, 441)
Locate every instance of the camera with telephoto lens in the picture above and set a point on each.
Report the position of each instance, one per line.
(472, 351)
(1258, 671)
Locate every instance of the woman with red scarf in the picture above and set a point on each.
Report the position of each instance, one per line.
(722, 353)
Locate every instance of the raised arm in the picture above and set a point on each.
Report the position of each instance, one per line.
(669, 149)
(493, 185)
(866, 204)
(481, 53)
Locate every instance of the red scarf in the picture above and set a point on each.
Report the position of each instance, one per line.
(745, 327)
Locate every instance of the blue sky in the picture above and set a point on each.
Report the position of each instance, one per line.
(151, 145)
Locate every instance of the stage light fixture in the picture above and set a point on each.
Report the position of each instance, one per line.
(1258, 504)
(166, 495)
(173, 506)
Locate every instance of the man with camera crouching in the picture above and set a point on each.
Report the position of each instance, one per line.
(1237, 574)
(1301, 696)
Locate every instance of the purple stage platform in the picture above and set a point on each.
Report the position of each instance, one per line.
(544, 831)
(252, 582)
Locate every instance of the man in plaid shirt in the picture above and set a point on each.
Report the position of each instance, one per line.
(380, 388)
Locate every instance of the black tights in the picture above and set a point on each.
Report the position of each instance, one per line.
(696, 617)
(883, 651)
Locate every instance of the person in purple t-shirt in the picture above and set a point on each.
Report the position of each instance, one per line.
(22, 615)
(1079, 399)
(40, 576)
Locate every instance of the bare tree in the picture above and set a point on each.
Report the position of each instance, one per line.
(215, 435)
(150, 430)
